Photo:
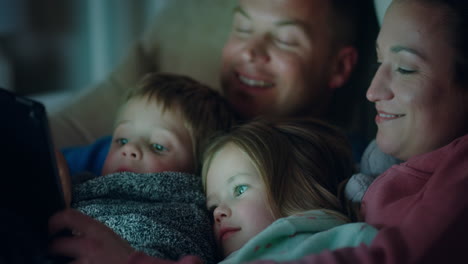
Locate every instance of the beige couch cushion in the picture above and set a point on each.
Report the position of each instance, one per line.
(186, 37)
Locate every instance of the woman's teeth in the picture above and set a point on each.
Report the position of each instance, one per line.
(389, 115)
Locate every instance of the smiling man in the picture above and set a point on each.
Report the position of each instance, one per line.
(286, 58)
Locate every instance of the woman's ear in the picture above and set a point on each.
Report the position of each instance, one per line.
(343, 66)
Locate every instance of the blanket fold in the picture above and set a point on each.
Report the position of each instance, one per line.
(162, 214)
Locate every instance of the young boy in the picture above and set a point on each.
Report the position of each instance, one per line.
(149, 193)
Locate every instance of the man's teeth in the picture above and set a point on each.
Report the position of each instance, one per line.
(254, 82)
(389, 115)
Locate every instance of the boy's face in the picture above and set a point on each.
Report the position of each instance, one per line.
(237, 195)
(147, 140)
(278, 59)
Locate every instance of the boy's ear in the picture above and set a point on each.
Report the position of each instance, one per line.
(343, 66)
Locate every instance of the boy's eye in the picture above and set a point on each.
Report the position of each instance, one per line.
(121, 141)
(158, 148)
(240, 189)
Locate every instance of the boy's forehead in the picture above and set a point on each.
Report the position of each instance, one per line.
(151, 112)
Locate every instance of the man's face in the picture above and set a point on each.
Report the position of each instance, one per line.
(147, 139)
(278, 58)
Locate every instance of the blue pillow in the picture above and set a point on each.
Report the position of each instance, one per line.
(89, 158)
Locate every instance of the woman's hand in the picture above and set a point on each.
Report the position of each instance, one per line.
(91, 242)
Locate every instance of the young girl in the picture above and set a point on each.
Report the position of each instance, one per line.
(273, 189)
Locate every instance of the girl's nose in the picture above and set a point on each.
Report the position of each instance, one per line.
(221, 212)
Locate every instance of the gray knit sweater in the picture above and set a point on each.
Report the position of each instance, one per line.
(162, 214)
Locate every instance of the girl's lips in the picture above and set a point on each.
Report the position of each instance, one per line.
(227, 232)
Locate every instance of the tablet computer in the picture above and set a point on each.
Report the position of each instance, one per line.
(31, 190)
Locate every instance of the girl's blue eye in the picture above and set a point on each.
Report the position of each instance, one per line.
(158, 148)
(121, 141)
(240, 189)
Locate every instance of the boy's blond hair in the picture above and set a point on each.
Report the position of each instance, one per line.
(302, 162)
(203, 109)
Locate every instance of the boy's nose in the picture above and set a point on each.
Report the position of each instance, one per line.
(131, 151)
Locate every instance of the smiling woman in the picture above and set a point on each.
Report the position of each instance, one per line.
(421, 105)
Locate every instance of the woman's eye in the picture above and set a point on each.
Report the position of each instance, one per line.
(240, 189)
(158, 148)
(405, 71)
(121, 141)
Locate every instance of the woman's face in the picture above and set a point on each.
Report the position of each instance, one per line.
(419, 105)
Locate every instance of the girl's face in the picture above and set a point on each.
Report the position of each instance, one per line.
(237, 196)
(419, 105)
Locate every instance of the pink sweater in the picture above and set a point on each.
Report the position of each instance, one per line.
(420, 208)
